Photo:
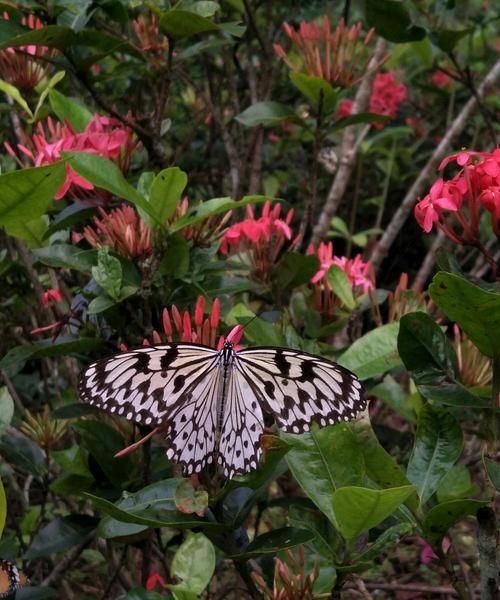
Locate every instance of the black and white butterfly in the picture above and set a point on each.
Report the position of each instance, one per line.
(211, 402)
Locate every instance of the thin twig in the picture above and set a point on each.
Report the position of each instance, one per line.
(63, 565)
(428, 264)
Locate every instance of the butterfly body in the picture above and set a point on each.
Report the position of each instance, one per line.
(211, 403)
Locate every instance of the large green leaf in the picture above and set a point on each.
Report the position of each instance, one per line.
(6, 408)
(193, 564)
(442, 516)
(323, 461)
(105, 174)
(267, 113)
(359, 509)
(476, 310)
(493, 469)
(32, 233)
(337, 278)
(178, 24)
(27, 194)
(438, 444)
(276, 540)
(67, 256)
(374, 353)
(67, 109)
(316, 90)
(431, 361)
(385, 541)
(392, 21)
(166, 191)
(59, 535)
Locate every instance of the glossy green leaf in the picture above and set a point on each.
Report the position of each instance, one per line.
(431, 361)
(447, 39)
(389, 538)
(189, 501)
(212, 207)
(103, 441)
(456, 484)
(392, 21)
(67, 109)
(374, 353)
(309, 517)
(274, 541)
(476, 310)
(323, 461)
(23, 453)
(295, 269)
(359, 509)
(438, 444)
(67, 256)
(51, 83)
(266, 113)
(54, 36)
(337, 278)
(392, 394)
(316, 90)
(27, 194)
(380, 466)
(108, 273)
(194, 563)
(442, 516)
(6, 408)
(32, 232)
(105, 174)
(60, 534)
(3, 508)
(16, 95)
(493, 469)
(166, 191)
(178, 24)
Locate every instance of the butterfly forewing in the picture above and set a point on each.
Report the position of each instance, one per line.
(299, 388)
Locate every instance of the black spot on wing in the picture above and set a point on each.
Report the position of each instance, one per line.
(142, 363)
(282, 363)
(168, 358)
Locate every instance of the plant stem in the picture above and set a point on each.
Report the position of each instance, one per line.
(488, 544)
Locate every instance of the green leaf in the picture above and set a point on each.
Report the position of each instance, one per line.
(391, 392)
(359, 118)
(189, 501)
(178, 24)
(142, 594)
(295, 269)
(447, 39)
(442, 516)
(60, 534)
(67, 256)
(389, 538)
(323, 461)
(103, 442)
(374, 353)
(309, 517)
(315, 90)
(476, 310)
(274, 541)
(108, 273)
(53, 36)
(438, 444)
(3, 508)
(27, 194)
(67, 109)
(392, 21)
(360, 509)
(431, 361)
(493, 469)
(212, 207)
(16, 95)
(456, 484)
(6, 409)
(32, 232)
(337, 278)
(53, 81)
(194, 563)
(267, 113)
(105, 174)
(166, 191)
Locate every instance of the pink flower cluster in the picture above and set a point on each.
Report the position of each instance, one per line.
(387, 95)
(104, 136)
(50, 297)
(454, 205)
(359, 274)
(21, 66)
(262, 239)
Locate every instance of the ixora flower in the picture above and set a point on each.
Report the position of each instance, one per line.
(454, 205)
(205, 232)
(260, 241)
(386, 97)
(50, 297)
(151, 41)
(339, 56)
(23, 66)
(359, 274)
(104, 136)
(121, 229)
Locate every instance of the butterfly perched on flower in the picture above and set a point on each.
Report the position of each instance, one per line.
(11, 579)
(211, 403)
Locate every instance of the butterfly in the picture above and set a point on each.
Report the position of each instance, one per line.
(211, 403)
(11, 579)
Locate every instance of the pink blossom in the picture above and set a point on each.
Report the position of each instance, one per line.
(50, 297)
(428, 210)
(359, 273)
(441, 79)
(155, 580)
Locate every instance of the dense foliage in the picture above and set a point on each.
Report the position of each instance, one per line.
(174, 169)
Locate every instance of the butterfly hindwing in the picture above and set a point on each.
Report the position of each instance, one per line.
(299, 388)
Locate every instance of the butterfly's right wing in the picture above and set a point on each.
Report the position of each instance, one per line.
(173, 385)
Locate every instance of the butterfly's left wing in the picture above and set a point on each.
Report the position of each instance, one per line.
(300, 388)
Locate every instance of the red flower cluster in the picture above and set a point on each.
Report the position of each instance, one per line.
(104, 136)
(260, 241)
(454, 205)
(387, 95)
(50, 297)
(359, 273)
(336, 56)
(21, 66)
(121, 229)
